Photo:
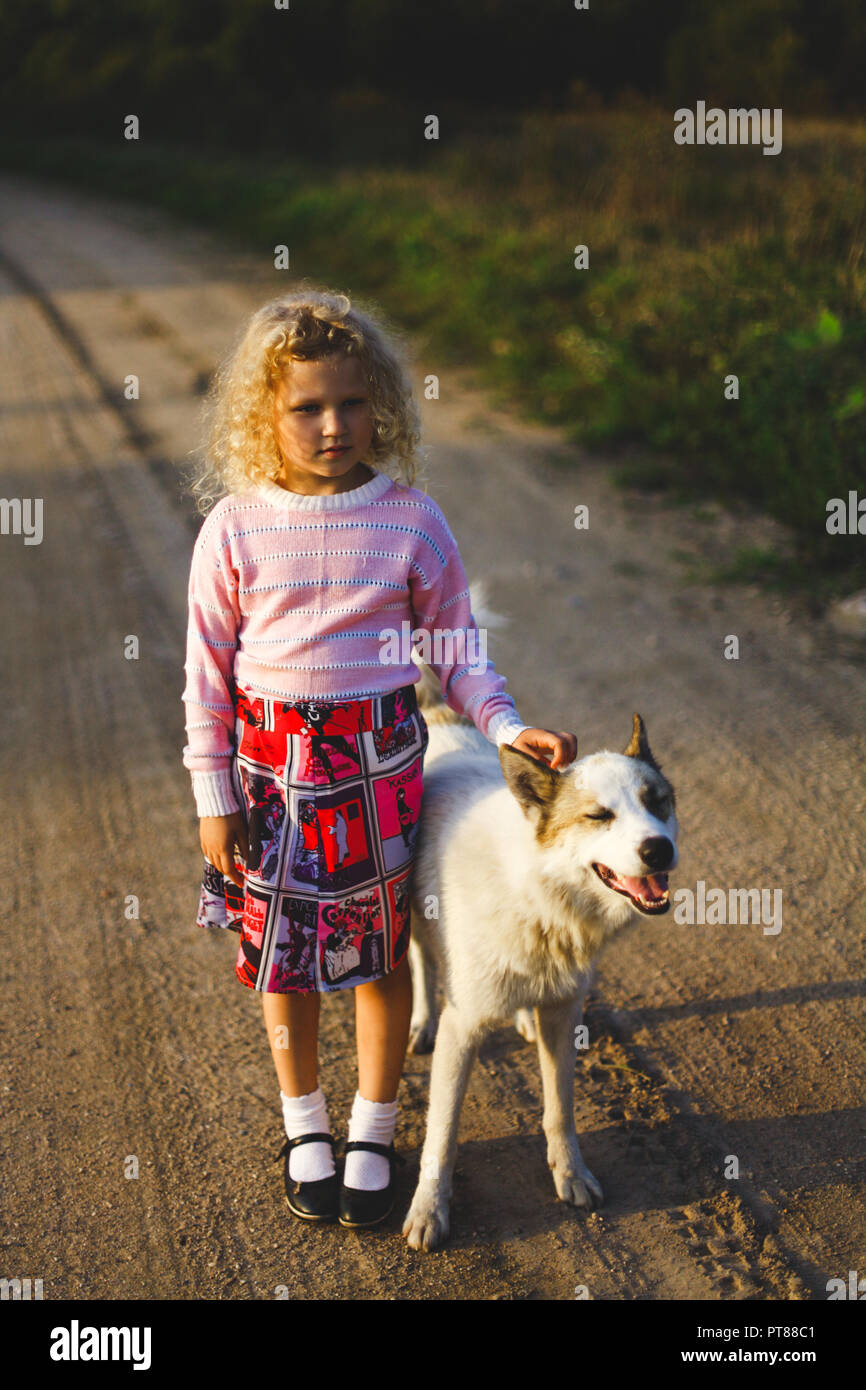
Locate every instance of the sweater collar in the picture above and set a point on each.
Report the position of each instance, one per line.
(325, 502)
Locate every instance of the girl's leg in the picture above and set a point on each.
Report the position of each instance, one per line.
(382, 1012)
(292, 1021)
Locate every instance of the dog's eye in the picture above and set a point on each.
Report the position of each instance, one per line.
(599, 815)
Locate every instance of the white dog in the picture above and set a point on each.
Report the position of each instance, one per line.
(522, 876)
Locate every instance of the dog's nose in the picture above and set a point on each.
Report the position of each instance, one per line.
(657, 853)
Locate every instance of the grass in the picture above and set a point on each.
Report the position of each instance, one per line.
(703, 263)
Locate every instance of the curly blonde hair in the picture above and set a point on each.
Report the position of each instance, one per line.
(311, 323)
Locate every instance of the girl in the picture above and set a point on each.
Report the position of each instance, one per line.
(304, 740)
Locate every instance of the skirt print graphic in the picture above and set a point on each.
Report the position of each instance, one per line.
(331, 793)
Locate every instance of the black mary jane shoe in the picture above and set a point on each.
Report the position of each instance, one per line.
(312, 1201)
(360, 1207)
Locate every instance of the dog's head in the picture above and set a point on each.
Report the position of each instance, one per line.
(610, 815)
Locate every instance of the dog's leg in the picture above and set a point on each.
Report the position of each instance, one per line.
(524, 1019)
(426, 1224)
(524, 1022)
(422, 962)
(555, 1024)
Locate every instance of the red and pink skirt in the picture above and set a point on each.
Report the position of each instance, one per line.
(331, 793)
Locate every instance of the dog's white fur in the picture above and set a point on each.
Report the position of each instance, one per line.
(508, 911)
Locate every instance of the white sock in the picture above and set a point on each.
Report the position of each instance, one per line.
(308, 1115)
(373, 1120)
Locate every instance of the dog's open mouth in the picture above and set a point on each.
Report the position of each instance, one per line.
(650, 894)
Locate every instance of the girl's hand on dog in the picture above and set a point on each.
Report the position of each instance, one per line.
(557, 749)
(219, 835)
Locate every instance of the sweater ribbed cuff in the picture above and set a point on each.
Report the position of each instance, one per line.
(504, 727)
(214, 793)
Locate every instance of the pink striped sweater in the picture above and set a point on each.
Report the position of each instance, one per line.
(294, 596)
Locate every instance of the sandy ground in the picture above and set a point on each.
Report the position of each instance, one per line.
(131, 1039)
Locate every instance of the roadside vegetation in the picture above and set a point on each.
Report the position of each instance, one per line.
(704, 263)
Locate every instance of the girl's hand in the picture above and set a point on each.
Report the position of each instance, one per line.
(219, 835)
(546, 746)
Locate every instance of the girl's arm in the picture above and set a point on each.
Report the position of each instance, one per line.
(212, 637)
(456, 651)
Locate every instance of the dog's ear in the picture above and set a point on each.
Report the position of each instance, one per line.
(638, 746)
(530, 782)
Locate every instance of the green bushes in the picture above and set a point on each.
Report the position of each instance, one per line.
(703, 264)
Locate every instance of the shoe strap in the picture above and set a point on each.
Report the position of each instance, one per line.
(311, 1139)
(290, 1144)
(386, 1150)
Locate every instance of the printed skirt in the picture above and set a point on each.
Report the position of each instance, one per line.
(331, 793)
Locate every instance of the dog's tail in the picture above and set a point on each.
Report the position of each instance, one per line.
(429, 689)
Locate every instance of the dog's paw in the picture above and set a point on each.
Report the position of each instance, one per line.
(426, 1224)
(572, 1179)
(422, 1036)
(578, 1187)
(524, 1022)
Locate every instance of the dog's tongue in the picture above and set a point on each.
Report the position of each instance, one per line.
(650, 889)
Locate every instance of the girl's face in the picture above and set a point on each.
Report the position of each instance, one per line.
(318, 405)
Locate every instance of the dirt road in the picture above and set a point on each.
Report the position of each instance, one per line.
(140, 1113)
